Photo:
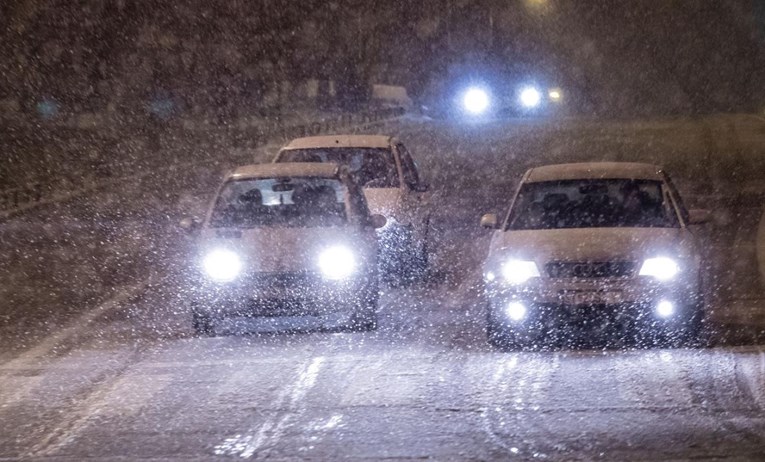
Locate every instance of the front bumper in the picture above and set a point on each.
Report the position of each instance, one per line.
(595, 304)
(285, 296)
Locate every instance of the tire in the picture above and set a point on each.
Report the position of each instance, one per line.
(499, 336)
(203, 324)
(365, 320)
(693, 334)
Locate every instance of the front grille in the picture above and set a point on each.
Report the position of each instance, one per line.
(284, 280)
(588, 270)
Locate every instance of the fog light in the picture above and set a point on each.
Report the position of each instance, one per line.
(516, 311)
(665, 309)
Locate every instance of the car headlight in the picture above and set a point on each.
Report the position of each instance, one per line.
(222, 265)
(661, 268)
(519, 271)
(337, 263)
(516, 311)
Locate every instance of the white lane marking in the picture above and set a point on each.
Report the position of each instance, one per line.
(47, 346)
(14, 389)
(76, 327)
(271, 431)
(95, 405)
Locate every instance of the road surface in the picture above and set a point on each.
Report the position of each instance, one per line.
(97, 358)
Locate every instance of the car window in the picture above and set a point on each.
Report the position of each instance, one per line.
(592, 204)
(287, 202)
(370, 167)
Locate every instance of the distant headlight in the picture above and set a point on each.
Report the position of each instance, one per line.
(337, 263)
(222, 265)
(519, 271)
(661, 268)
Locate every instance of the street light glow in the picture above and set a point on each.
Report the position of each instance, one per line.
(554, 94)
(476, 100)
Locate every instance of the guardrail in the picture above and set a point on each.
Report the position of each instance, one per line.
(203, 139)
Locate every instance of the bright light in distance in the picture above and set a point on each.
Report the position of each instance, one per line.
(222, 265)
(554, 94)
(665, 309)
(530, 97)
(661, 268)
(337, 263)
(476, 101)
(489, 276)
(516, 311)
(519, 271)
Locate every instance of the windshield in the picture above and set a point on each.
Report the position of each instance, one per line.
(592, 204)
(285, 202)
(370, 167)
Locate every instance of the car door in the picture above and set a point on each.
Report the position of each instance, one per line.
(414, 191)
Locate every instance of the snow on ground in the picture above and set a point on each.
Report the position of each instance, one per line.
(95, 364)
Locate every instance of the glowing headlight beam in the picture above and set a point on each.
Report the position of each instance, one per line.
(661, 268)
(530, 97)
(222, 265)
(475, 101)
(665, 309)
(337, 263)
(519, 271)
(516, 311)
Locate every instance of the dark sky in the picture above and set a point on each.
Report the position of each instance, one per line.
(637, 57)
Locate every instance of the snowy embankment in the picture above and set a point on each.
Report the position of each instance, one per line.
(52, 164)
(91, 243)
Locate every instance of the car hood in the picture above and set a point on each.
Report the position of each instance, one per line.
(277, 249)
(384, 201)
(591, 244)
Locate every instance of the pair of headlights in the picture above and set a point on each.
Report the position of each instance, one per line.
(224, 265)
(520, 271)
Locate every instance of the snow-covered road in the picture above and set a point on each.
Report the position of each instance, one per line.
(134, 384)
(97, 359)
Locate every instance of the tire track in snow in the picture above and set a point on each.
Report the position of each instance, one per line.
(287, 405)
(526, 389)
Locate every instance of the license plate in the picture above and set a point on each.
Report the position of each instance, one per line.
(591, 297)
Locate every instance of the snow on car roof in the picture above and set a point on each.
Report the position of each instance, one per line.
(287, 169)
(586, 170)
(340, 141)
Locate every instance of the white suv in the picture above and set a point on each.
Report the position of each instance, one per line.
(393, 187)
(599, 246)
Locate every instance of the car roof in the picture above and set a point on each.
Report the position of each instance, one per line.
(340, 141)
(286, 169)
(585, 170)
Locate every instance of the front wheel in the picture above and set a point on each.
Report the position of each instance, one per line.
(365, 319)
(203, 324)
(499, 336)
(363, 322)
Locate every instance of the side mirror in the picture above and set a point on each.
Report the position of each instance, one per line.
(699, 216)
(189, 224)
(489, 221)
(378, 221)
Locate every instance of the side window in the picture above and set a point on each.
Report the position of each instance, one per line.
(411, 177)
